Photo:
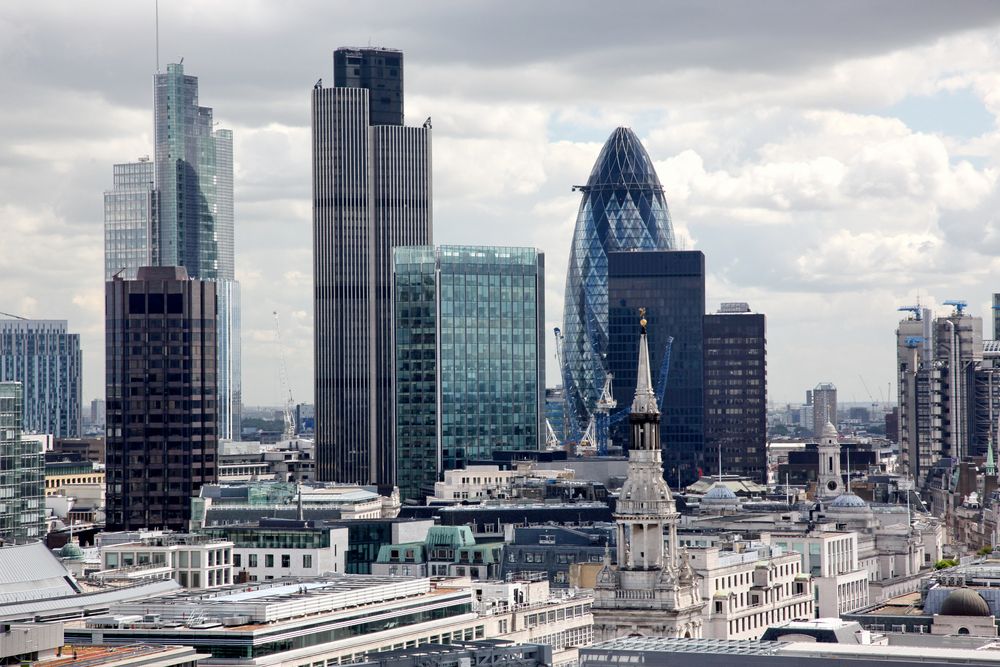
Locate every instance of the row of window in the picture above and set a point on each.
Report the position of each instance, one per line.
(286, 560)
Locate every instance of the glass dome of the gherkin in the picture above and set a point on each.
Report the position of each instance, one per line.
(623, 208)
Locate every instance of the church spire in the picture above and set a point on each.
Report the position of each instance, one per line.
(644, 402)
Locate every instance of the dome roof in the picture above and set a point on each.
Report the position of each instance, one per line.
(848, 500)
(71, 551)
(964, 602)
(720, 491)
(830, 431)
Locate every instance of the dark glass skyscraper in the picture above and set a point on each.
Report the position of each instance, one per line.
(371, 193)
(623, 208)
(162, 431)
(736, 392)
(470, 357)
(670, 285)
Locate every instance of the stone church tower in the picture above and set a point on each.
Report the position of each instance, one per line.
(653, 590)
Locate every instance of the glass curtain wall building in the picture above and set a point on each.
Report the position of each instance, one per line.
(623, 208)
(670, 285)
(130, 229)
(46, 359)
(22, 473)
(371, 193)
(470, 361)
(194, 219)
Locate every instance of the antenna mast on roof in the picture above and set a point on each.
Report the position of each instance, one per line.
(156, 9)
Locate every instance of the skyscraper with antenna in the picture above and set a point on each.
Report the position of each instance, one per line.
(177, 210)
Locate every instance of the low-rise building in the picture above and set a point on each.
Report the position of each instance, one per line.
(192, 560)
(343, 619)
(555, 549)
(447, 551)
(277, 548)
(750, 586)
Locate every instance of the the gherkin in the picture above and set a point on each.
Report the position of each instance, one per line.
(623, 208)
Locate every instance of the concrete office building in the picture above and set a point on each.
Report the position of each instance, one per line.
(349, 618)
(22, 473)
(371, 193)
(161, 391)
(45, 358)
(824, 404)
(277, 548)
(736, 392)
(469, 358)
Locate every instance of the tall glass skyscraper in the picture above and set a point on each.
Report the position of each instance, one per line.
(22, 473)
(130, 214)
(623, 208)
(45, 358)
(371, 193)
(178, 211)
(670, 285)
(470, 359)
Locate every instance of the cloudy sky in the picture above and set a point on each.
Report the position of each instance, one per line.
(833, 160)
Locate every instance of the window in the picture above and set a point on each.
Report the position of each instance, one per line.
(237, 560)
(286, 560)
(253, 560)
(307, 561)
(268, 560)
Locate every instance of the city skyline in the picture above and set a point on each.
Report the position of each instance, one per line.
(805, 178)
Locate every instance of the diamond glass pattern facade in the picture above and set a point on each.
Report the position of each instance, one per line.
(623, 208)
(470, 362)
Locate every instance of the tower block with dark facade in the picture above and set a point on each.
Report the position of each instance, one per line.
(162, 404)
(653, 591)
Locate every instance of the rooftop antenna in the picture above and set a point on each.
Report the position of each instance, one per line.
(720, 463)
(788, 493)
(298, 487)
(156, 8)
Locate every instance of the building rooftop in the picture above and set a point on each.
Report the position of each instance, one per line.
(32, 572)
(93, 655)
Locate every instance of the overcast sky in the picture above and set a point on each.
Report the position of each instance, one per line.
(834, 160)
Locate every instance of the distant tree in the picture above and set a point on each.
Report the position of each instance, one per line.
(985, 551)
(945, 562)
(779, 429)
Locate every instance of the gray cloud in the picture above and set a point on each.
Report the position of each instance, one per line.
(819, 220)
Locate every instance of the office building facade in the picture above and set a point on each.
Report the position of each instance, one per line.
(22, 473)
(623, 208)
(130, 220)
(194, 180)
(162, 423)
(178, 211)
(824, 402)
(670, 285)
(736, 392)
(371, 193)
(45, 358)
(470, 359)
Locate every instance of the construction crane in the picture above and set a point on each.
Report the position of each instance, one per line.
(551, 439)
(289, 431)
(870, 396)
(916, 310)
(959, 305)
(600, 427)
(602, 416)
(574, 426)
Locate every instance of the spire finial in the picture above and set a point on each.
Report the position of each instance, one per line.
(642, 320)
(720, 462)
